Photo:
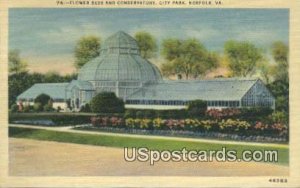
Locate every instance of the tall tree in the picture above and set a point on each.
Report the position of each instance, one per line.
(146, 43)
(86, 49)
(53, 77)
(243, 57)
(265, 71)
(280, 54)
(187, 57)
(16, 64)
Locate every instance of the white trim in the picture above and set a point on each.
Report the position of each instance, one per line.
(156, 107)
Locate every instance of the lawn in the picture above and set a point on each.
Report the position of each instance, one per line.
(121, 142)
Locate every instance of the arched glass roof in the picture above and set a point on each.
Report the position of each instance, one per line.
(120, 60)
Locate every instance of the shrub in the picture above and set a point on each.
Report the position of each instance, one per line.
(277, 129)
(26, 108)
(69, 104)
(58, 109)
(145, 124)
(14, 108)
(159, 113)
(139, 114)
(107, 121)
(43, 99)
(129, 113)
(157, 123)
(175, 114)
(37, 107)
(48, 108)
(223, 113)
(197, 108)
(129, 122)
(231, 126)
(85, 108)
(279, 117)
(95, 121)
(142, 113)
(149, 113)
(116, 121)
(107, 102)
(255, 113)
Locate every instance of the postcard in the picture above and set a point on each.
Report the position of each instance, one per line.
(149, 93)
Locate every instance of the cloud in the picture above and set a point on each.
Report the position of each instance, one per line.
(202, 33)
(156, 29)
(69, 34)
(260, 37)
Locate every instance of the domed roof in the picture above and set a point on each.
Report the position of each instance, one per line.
(120, 40)
(119, 60)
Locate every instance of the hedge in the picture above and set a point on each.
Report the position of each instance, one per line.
(143, 113)
(247, 114)
(57, 118)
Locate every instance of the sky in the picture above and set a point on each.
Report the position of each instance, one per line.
(46, 37)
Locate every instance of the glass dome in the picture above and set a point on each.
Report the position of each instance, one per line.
(120, 60)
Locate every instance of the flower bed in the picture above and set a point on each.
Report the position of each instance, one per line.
(222, 126)
(183, 133)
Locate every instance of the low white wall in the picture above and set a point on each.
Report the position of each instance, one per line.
(62, 105)
(218, 107)
(156, 107)
(166, 107)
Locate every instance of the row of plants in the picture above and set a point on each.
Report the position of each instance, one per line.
(265, 115)
(42, 103)
(229, 126)
(57, 118)
(37, 107)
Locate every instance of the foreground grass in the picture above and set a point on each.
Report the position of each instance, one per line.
(121, 142)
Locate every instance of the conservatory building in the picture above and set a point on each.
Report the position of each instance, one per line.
(120, 69)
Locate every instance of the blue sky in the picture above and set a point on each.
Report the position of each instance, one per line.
(48, 36)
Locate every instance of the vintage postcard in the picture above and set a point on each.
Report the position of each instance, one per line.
(149, 93)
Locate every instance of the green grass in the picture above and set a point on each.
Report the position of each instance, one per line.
(121, 142)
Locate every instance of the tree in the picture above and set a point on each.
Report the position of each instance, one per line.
(187, 57)
(16, 64)
(243, 57)
(53, 77)
(280, 90)
(107, 102)
(280, 54)
(42, 99)
(85, 108)
(86, 49)
(146, 43)
(265, 71)
(18, 83)
(197, 108)
(210, 62)
(70, 77)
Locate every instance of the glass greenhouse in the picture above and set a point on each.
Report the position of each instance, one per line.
(121, 69)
